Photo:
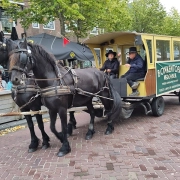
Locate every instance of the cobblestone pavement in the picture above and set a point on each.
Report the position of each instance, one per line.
(142, 147)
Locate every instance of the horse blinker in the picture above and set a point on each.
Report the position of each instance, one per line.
(23, 58)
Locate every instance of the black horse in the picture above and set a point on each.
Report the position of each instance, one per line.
(64, 88)
(22, 94)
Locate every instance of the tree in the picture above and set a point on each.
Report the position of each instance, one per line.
(147, 16)
(81, 16)
(108, 15)
(172, 23)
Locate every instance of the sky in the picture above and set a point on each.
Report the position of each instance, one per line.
(168, 4)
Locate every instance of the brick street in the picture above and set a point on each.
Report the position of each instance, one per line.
(141, 147)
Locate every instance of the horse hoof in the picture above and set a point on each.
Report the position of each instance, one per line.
(89, 134)
(109, 129)
(88, 137)
(74, 126)
(108, 132)
(31, 150)
(45, 146)
(63, 153)
(68, 135)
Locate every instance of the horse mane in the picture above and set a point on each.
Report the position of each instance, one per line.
(13, 59)
(38, 51)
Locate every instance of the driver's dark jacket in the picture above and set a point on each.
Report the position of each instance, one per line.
(137, 65)
(113, 65)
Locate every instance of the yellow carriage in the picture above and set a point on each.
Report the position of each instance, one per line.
(162, 58)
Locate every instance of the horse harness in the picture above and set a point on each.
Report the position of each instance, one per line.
(59, 89)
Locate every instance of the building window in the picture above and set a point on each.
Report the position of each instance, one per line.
(50, 25)
(94, 31)
(162, 50)
(176, 49)
(66, 28)
(35, 25)
(7, 23)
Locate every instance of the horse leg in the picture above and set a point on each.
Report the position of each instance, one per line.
(71, 124)
(53, 117)
(65, 149)
(106, 103)
(34, 140)
(45, 137)
(91, 131)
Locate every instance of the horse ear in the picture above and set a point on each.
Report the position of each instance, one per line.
(24, 44)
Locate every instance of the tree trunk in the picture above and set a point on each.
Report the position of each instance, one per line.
(62, 24)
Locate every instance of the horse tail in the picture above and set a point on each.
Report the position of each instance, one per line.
(117, 102)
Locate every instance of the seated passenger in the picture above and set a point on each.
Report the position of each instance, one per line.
(136, 70)
(111, 65)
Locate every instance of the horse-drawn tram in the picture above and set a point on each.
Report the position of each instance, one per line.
(161, 55)
(63, 89)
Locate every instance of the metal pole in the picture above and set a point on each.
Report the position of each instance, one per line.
(96, 106)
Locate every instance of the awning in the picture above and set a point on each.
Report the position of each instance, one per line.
(54, 45)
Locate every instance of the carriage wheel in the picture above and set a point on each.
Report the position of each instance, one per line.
(158, 106)
(179, 97)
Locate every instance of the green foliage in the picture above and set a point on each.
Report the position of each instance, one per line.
(116, 16)
(147, 16)
(172, 23)
(102, 14)
(12, 9)
(81, 16)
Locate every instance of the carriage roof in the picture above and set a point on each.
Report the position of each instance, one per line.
(101, 38)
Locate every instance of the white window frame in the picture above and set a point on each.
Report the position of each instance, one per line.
(49, 28)
(66, 28)
(35, 26)
(94, 32)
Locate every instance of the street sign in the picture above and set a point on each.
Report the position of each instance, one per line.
(167, 77)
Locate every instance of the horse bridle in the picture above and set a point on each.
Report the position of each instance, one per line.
(25, 56)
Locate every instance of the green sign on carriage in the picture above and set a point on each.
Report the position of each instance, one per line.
(167, 77)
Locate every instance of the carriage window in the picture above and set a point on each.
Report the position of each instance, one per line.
(149, 44)
(162, 50)
(176, 49)
(98, 54)
(119, 58)
(107, 49)
(142, 52)
(126, 50)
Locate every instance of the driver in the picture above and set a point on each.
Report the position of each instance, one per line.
(111, 65)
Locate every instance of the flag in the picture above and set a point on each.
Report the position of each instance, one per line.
(65, 41)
